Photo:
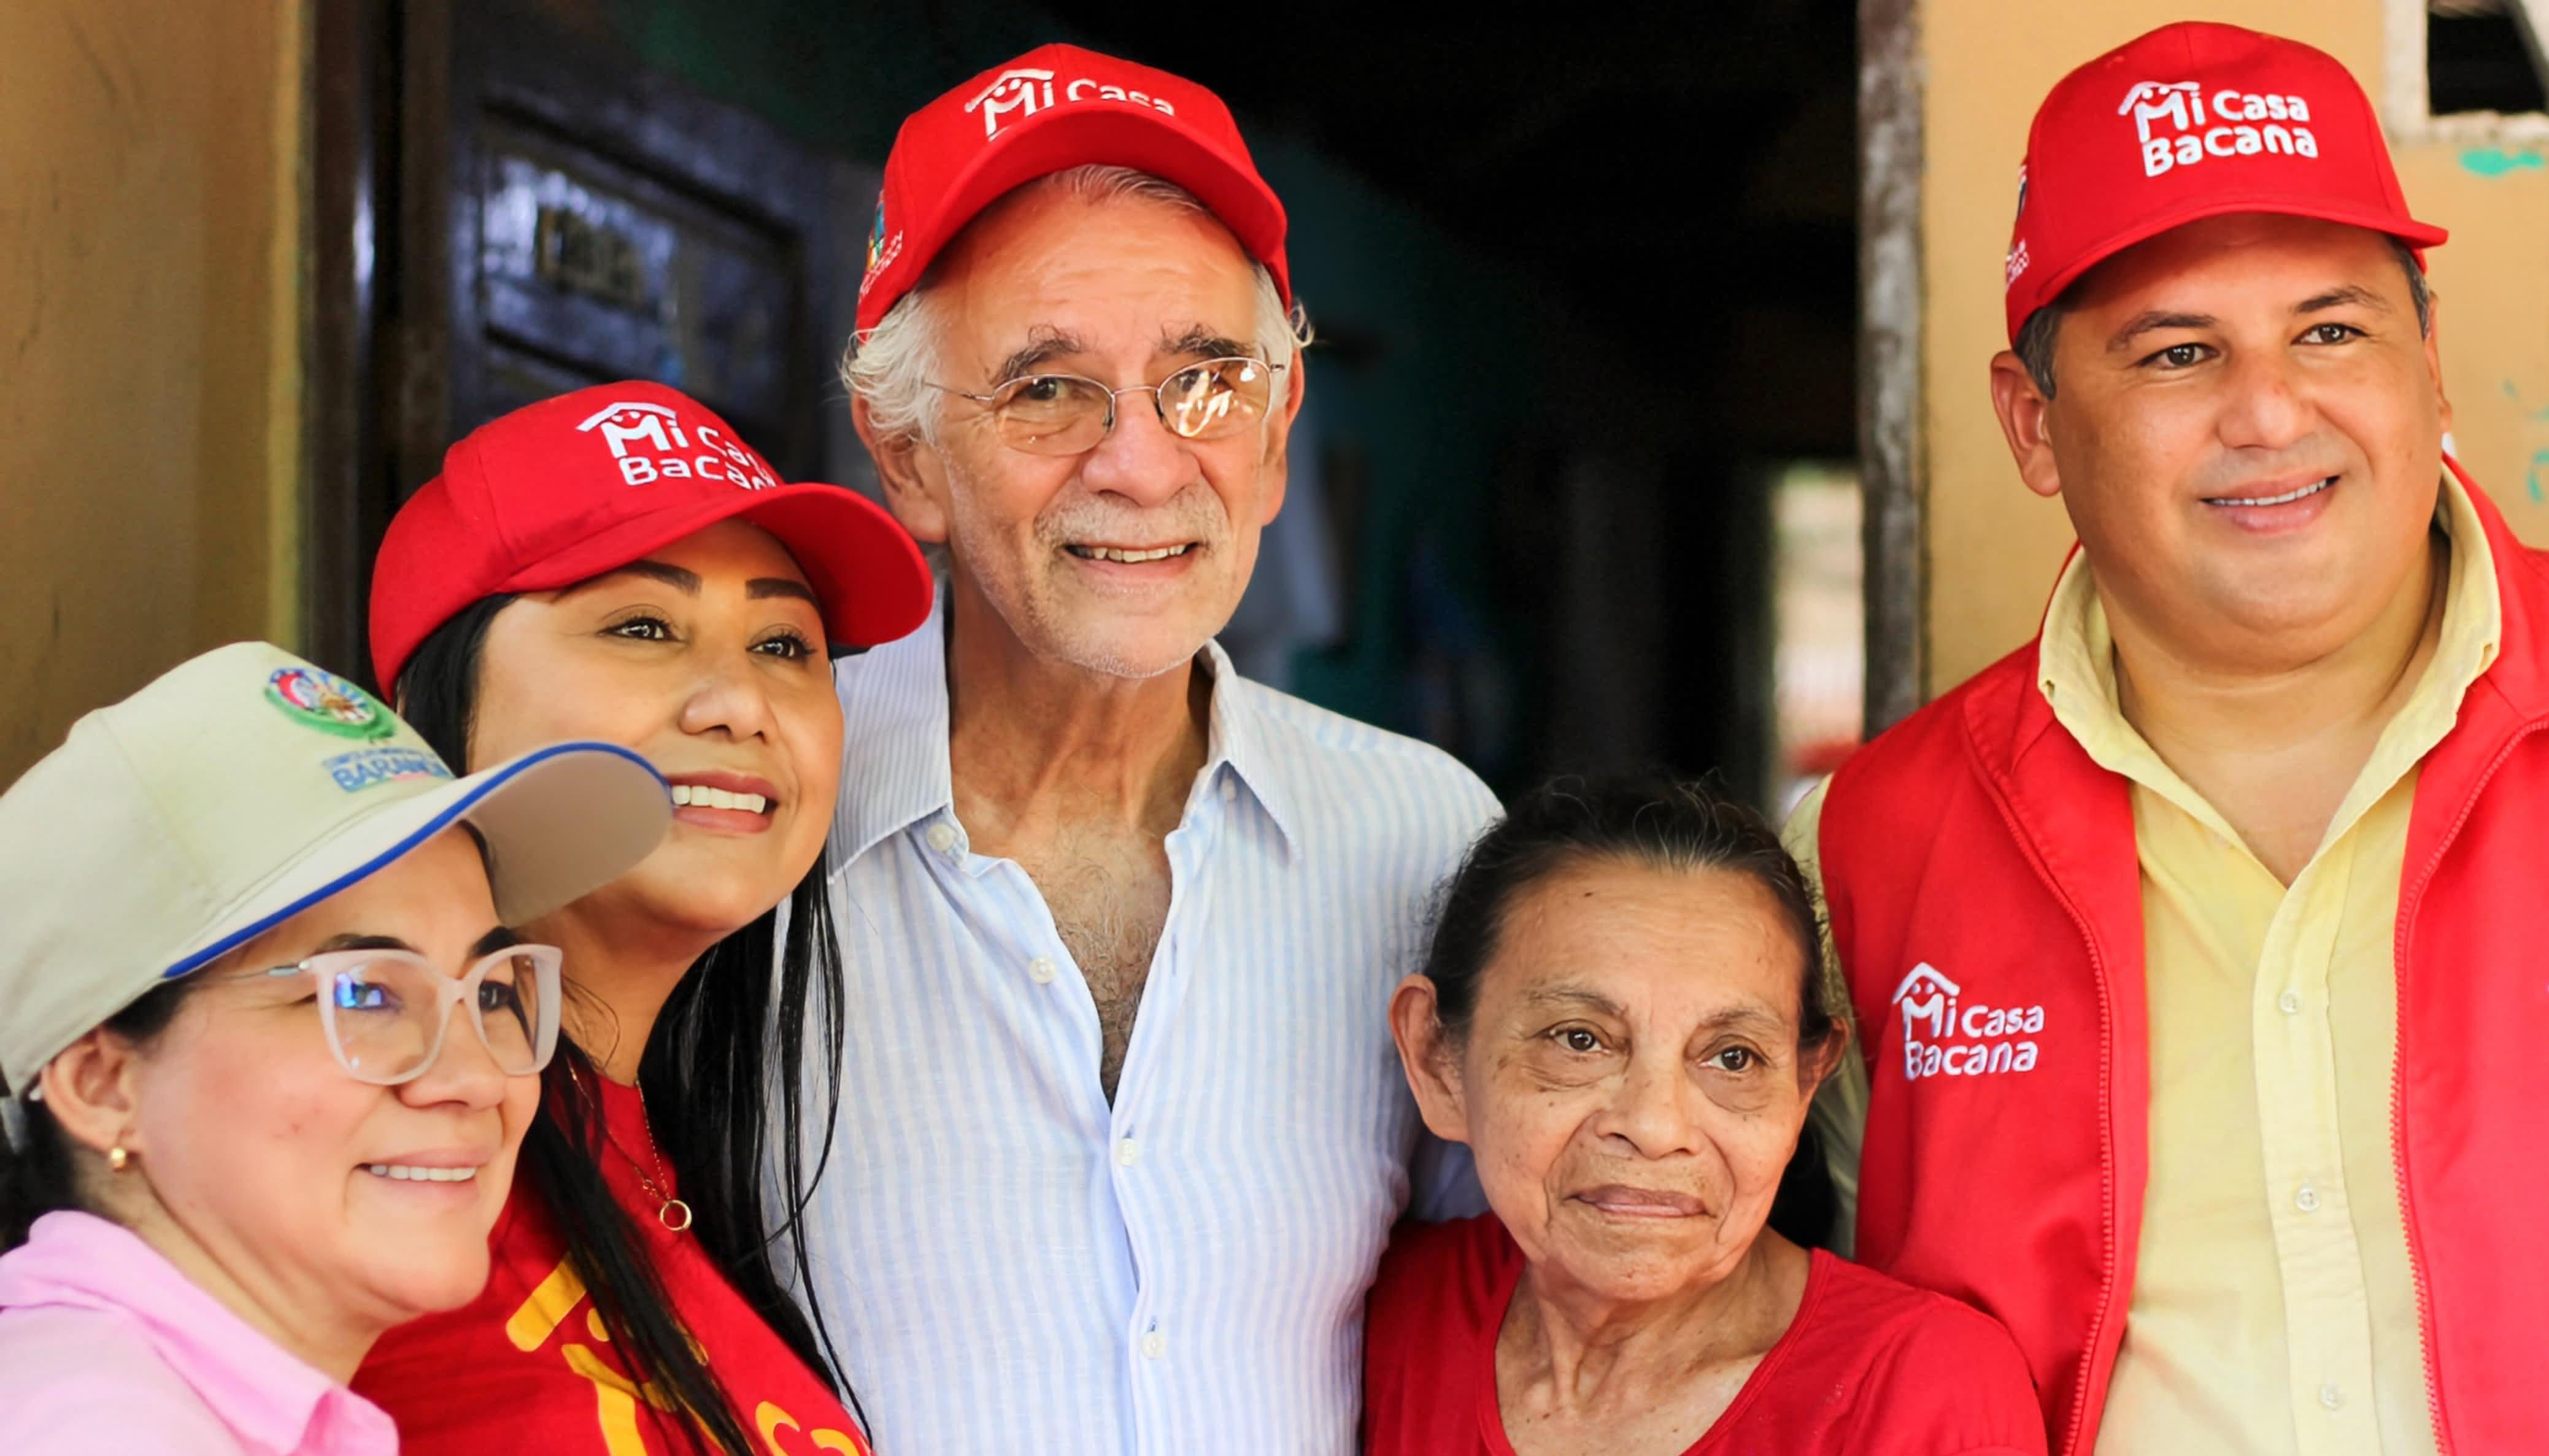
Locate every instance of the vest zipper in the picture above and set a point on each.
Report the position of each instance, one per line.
(2072, 1436)
(2409, 901)
(2010, 819)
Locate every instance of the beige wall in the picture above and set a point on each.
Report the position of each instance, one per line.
(151, 164)
(1993, 547)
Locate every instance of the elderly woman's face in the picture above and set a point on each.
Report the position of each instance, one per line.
(1631, 1082)
(706, 657)
(307, 1187)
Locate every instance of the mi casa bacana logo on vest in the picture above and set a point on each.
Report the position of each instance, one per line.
(1025, 91)
(1944, 1035)
(648, 442)
(2179, 125)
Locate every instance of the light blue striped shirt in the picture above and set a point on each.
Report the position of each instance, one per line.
(1011, 1265)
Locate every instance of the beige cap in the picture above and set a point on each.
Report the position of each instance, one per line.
(242, 788)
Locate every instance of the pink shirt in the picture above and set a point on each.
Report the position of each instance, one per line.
(105, 1346)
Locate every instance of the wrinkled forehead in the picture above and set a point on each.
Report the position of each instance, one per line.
(1105, 275)
(1649, 944)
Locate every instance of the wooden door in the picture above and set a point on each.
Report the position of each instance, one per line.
(511, 207)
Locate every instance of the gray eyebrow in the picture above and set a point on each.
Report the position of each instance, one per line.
(1197, 341)
(1043, 346)
(1194, 341)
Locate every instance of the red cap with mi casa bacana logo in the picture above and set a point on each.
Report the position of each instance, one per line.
(567, 488)
(1054, 107)
(2193, 120)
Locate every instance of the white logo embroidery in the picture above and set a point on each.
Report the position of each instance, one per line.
(1990, 1036)
(627, 422)
(2194, 126)
(1025, 91)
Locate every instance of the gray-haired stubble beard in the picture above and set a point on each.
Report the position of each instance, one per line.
(1035, 619)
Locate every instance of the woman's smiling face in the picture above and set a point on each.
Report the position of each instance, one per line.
(1630, 1081)
(707, 657)
(345, 1204)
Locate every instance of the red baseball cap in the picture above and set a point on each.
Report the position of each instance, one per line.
(572, 486)
(1054, 107)
(2193, 120)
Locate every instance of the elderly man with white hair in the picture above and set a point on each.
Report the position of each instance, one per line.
(1120, 1135)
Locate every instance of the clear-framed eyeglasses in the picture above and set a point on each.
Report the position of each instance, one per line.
(1068, 415)
(386, 1011)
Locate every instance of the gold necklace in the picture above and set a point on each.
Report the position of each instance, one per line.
(670, 1212)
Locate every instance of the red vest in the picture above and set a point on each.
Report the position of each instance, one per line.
(1986, 904)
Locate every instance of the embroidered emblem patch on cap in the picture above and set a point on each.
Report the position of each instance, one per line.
(882, 249)
(328, 702)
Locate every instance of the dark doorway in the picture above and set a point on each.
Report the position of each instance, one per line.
(1681, 182)
(512, 207)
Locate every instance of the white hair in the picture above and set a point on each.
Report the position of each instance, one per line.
(894, 364)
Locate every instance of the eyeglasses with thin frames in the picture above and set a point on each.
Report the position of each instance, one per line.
(1069, 413)
(386, 1011)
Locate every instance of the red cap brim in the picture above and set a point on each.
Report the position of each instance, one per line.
(866, 571)
(2418, 236)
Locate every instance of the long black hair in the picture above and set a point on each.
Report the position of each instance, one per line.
(1656, 823)
(37, 1174)
(728, 1038)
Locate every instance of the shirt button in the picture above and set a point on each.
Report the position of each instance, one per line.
(1041, 970)
(1126, 1152)
(941, 837)
(2306, 1200)
(1155, 1345)
(1229, 789)
(2330, 1397)
(2290, 1002)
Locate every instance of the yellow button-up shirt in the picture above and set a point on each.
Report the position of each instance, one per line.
(2274, 1310)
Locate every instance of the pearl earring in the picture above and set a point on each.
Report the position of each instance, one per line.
(117, 1158)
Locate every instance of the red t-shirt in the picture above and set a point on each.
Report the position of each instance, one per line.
(529, 1366)
(1870, 1367)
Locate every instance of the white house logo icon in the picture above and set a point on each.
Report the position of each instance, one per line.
(2149, 101)
(1934, 1005)
(1943, 1037)
(624, 420)
(1025, 92)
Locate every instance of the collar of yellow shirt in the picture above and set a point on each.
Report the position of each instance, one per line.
(2076, 672)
